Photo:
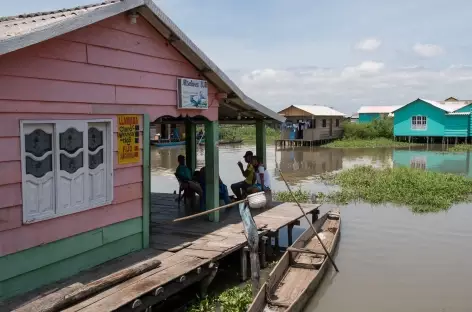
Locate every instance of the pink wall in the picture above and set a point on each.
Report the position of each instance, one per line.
(98, 71)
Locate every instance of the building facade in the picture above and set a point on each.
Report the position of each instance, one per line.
(431, 119)
(78, 89)
(370, 113)
(311, 123)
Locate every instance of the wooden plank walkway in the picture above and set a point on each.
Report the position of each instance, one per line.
(188, 251)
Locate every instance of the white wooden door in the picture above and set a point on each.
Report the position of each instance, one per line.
(98, 163)
(71, 155)
(37, 143)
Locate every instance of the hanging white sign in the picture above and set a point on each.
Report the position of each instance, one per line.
(192, 93)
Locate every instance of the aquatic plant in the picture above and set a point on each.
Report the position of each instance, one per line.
(367, 143)
(235, 299)
(460, 148)
(422, 191)
(285, 196)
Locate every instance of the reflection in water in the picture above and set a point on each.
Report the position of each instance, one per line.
(457, 163)
(303, 162)
(390, 259)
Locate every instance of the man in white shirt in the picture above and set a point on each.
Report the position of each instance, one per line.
(262, 176)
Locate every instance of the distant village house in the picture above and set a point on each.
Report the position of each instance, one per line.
(311, 123)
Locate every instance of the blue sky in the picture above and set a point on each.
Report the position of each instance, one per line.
(340, 53)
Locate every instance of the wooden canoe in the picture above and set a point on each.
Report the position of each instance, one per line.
(166, 143)
(224, 142)
(297, 275)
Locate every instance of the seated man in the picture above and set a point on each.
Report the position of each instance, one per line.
(223, 190)
(262, 177)
(184, 175)
(240, 188)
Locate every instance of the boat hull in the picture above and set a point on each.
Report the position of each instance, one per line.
(224, 142)
(281, 292)
(164, 144)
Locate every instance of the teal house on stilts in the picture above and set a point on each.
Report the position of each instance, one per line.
(432, 121)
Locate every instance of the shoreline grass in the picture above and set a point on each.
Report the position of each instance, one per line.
(367, 143)
(460, 148)
(422, 191)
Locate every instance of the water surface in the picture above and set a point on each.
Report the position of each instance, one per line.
(389, 258)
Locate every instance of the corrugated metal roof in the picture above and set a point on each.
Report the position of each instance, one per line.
(378, 109)
(24, 30)
(24, 23)
(445, 107)
(459, 113)
(449, 107)
(319, 110)
(460, 102)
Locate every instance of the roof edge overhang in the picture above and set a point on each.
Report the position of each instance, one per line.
(300, 108)
(418, 99)
(164, 25)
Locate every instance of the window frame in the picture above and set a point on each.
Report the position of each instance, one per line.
(324, 123)
(337, 123)
(419, 122)
(108, 156)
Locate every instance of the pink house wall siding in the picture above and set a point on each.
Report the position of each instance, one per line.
(98, 71)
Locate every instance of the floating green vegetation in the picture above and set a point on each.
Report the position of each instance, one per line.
(460, 148)
(285, 196)
(235, 299)
(367, 143)
(422, 191)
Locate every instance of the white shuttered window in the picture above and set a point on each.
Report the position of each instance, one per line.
(66, 167)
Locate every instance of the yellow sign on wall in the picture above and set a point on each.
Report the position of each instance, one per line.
(128, 139)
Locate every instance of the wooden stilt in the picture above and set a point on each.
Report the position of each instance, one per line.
(208, 279)
(314, 216)
(289, 234)
(277, 245)
(263, 244)
(255, 270)
(244, 254)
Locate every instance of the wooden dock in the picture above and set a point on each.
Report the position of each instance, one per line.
(189, 252)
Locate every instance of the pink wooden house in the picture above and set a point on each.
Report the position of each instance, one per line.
(68, 81)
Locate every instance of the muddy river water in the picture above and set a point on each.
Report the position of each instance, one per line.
(390, 259)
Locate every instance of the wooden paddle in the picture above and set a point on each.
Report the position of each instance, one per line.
(311, 224)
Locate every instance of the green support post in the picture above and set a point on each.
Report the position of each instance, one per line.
(146, 178)
(191, 145)
(212, 169)
(261, 140)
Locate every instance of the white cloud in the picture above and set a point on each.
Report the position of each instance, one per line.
(368, 83)
(427, 50)
(368, 67)
(369, 44)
